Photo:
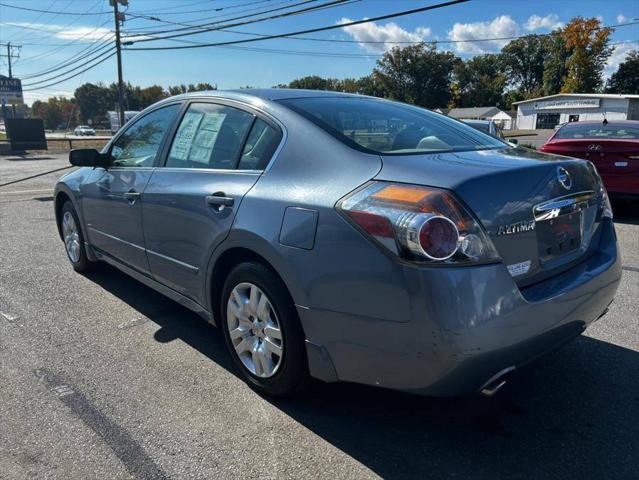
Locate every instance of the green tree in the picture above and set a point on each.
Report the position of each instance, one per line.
(417, 74)
(626, 78)
(479, 81)
(93, 100)
(523, 61)
(152, 94)
(368, 85)
(555, 70)
(587, 42)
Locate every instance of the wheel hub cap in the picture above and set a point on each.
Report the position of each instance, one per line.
(254, 330)
(71, 237)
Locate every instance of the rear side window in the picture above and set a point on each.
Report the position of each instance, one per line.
(209, 136)
(597, 131)
(259, 147)
(385, 127)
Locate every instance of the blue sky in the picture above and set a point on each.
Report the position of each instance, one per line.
(49, 39)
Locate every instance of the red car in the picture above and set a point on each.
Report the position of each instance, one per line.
(612, 146)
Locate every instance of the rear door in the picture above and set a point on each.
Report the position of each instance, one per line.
(112, 199)
(217, 154)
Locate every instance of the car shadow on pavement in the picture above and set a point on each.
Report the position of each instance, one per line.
(572, 414)
(626, 211)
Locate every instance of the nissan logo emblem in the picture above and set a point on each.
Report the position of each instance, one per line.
(564, 178)
(594, 147)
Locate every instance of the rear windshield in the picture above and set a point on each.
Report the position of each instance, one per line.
(380, 126)
(601, 131)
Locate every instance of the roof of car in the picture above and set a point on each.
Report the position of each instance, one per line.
(599, 122)
(269, 93)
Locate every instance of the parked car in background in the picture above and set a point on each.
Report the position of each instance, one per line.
(83, 130)
(486, 126)
(347, 238)
(612, 146)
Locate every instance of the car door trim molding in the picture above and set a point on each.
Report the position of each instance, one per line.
(116, 238)
(189, 267)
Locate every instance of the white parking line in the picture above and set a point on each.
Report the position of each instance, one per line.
(27, 192)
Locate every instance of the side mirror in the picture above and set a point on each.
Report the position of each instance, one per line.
(514, 141)
(88, 157)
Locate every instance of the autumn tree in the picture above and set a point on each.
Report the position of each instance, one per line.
(626, 78)
(587, 42)
(555, 70)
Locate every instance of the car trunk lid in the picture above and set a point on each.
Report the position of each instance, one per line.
(538, 226)
(609, 156)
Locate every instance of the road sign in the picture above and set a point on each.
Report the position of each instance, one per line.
(10, 91)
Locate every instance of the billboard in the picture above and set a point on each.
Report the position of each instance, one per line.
(26, 133)
(10, 91)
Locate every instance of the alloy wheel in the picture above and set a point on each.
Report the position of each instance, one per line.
(71, 236)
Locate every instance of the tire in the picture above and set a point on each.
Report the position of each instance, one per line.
(76, 254)
(290, 373)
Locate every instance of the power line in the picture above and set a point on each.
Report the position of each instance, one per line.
(217, 9)
(110, 50)
(49, 11)
(310, 30)
(69, 78)
(202, 28)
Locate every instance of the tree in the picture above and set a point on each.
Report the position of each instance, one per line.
(479, 81)
(93, 100)
(523, 61)
(416, 74)
(555, 70)
(587, 42)
(369, 86)
(626, 78)
(179, 89)
(152, 94)
(54, 112)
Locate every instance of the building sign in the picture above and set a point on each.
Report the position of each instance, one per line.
(26, 133)
(10, 91)
(567, 103)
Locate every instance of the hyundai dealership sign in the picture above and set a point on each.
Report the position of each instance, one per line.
(567, 103)
(10, 91)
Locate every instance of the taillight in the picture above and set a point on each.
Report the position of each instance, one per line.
(418, 223)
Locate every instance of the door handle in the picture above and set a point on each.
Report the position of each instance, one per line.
(219, 200)
(131, 196)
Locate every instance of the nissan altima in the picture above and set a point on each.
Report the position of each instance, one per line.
(347, 238)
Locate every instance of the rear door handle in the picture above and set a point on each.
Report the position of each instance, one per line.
(218, 199)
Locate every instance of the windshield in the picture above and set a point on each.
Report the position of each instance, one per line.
(598, 131)
(380, 126)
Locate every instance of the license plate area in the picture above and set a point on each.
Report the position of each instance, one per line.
(559, 236)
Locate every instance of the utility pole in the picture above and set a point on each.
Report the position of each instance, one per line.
(10, 54)
(119, 17)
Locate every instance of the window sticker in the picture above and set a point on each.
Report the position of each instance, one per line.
(184, 137)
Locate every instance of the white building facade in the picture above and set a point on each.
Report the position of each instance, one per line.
(547, 112)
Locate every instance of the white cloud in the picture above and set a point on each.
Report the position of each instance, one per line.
(619, 56)
(621, 18)
(390, 32)
(502, 26)
(550, 22)
(64, 32)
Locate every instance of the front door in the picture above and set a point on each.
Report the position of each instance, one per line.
(112, 200)
(217, 155)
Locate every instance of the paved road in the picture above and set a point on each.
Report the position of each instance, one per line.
(100, 377)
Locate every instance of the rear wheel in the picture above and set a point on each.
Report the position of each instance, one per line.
(262, 330)
(73, 238)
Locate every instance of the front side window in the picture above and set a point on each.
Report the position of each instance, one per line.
(209, 136)
(379, 126)
(138, 146)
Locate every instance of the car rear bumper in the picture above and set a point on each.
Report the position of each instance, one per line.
(622, 184)
(466, 325)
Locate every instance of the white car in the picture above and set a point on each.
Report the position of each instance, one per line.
(83, 130)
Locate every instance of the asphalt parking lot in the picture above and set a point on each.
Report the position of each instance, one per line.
(101, 377)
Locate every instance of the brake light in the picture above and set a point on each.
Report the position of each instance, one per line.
(418, 223)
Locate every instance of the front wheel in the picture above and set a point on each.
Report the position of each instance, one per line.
(262, 330)
(73, 239)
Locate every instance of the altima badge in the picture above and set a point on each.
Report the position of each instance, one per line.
(516, 228)
(564, 178)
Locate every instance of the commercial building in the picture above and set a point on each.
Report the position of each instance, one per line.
(548, 112)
